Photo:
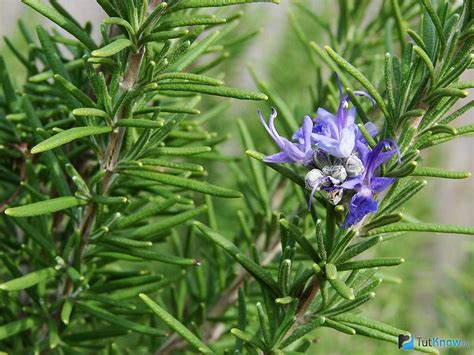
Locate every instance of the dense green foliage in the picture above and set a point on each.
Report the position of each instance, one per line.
(103, 170)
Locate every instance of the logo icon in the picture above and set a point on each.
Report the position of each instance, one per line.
(406, 342)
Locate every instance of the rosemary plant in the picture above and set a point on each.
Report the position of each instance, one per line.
(112, 240)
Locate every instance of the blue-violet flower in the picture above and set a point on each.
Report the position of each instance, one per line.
(337, 156)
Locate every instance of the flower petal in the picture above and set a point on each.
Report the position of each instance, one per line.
(361, 205)
(378, 184)
(281, 157)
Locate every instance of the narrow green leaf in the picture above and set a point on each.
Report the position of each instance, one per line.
(152, 17)
(300, 239)
(358, 248)
(320, 240)
(369, 323)
(68, 136)
(343, 238)
(147, 254)
(366, 264)
(284, 275)
(172, 164)
(447, 92)
(153, 228)
(418, 40)
(179, 151)
(264, 325)
(395, 201)
(138, 123)
(191, 77)
(441, 128)
(290, 174)
(51, 53)
(145, 212)
(119, 321)
(192, 53)
(18, 326)
(8, 90)
(53, 337)
(213, 90)
(125, 242)
(89, 111)
(221, 241)
(152, 286)
(339, 326)
(174, 324)
(356, 74)
(436, 21)
(426, 59)
(185, 183)
(109, 200)
(96, 334)
(74, 91)
(190, 4)
(43, 207)
(367, 135)
(163, 36)
(165, 109)
(112, 48)
(413, 113)
(423, 227)
(47, 74)
(255, 167)
(441, 173)
(29, 280)
(350, 305)
(119, 22)
(405, 170)
(339, 286)
(253, 268)
(376, 334)
(125, 282)
(242, 321)
(248, 338)
(66, 311)
(62, 22)
(190, 21)
(303, 330)
(383, 221)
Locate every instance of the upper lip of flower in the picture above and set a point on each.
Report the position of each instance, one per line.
(290, 152)
(338, 133)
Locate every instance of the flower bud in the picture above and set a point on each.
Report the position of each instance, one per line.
(337, 172)
(354, 166)
(315, 177)
(320, 159)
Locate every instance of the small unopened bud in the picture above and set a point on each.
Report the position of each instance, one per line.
(314, 178)
(320, 159)
(354, 166)
(335, 171)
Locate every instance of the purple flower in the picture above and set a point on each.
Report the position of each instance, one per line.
(335, 134)
(366, 185)
(290, 152)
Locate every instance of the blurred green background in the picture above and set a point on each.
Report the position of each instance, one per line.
(435, 296)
